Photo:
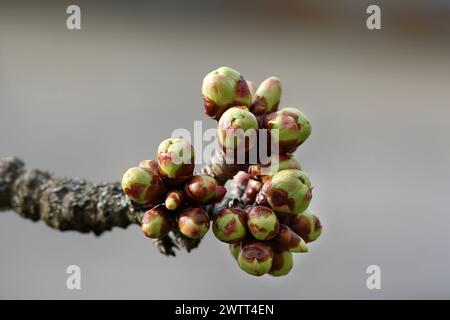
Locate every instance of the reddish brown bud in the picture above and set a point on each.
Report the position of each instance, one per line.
(307, 225)
(156, 222)
(251, 191)
(288, 240)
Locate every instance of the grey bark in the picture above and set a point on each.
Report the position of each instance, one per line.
(76, 204)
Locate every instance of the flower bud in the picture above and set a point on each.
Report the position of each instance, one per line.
(251, 191)
(267, 97)
(174, 200)
(229, 225)
(293, 128)
(307, 225)
(193, 222)
(204, 189)
(222, 89)
(237, 129)
(255, 258)
(288, 191)
(156, 223)
(288, 240)
(176, 159)
(282, 263)
(142, 185)
(263, 223)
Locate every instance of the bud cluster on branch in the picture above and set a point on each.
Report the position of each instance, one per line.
(262, 212)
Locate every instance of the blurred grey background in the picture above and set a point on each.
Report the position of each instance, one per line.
(91, 103)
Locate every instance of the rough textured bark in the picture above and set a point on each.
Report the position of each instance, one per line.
(76, 204)
(73, 204)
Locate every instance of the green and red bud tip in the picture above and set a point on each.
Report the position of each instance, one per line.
(223, 88)
(142, 186)
(229, 225)
(288, 191)
(262, 223)
(237, 129)
(307, 225)
(156, 222)
(204, 189)
(288, 240)
(193, 222)
(292, 126)
(255, 258)
(176, 159)
(267, 97)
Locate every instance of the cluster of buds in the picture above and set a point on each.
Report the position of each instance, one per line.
(262, 238)
(273, 220)
(173, 195)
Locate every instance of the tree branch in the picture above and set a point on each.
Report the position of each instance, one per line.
(71, 204)
(63, 203)
(78, 205)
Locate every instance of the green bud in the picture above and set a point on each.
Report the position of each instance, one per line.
(204, 189)
(307, 225)
(288, 191)
(282, 263)
(237, 129)
(174, 200)
(222, 89)
(176, 159)
(193, 222)
(288, 240)
(142, 185)
(262, 223)
(255, 258)
(235, 248)
(293, 128)
(229, 225)
(156, 223)
(267, 97)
